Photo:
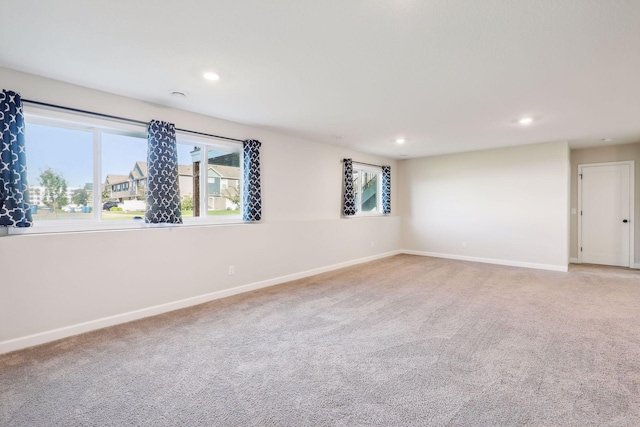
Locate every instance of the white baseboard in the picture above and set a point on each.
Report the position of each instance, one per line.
(67, 331)
(563, 268)
(577, 261)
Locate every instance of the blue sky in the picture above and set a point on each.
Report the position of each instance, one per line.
(70, 152)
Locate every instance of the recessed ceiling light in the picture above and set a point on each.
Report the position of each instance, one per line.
(210, 75)
(525, 121)
(607, 139)
(337, 136)
(400, 140)
(404, 155)
(178, 94)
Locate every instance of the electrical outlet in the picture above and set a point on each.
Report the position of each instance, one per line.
(232, 270)
(464, 244)
(373, 244)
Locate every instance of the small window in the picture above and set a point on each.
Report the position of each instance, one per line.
(367, 187)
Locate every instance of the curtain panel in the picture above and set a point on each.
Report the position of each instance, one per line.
(348, 196)
(386, 190)
(251, 194)
(14, 188)
(163, 190)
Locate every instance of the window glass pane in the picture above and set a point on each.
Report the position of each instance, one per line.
(223, 182)
(369, 191)
(356, 189)
(60, 172)
(189, 178)
(124, 177)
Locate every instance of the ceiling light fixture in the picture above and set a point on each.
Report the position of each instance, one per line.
(607, 139)
(525, 121)
(400, 140)
(337, 136)
(178, 94)
(209, 75)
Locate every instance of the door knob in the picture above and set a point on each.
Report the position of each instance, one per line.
(625, 221)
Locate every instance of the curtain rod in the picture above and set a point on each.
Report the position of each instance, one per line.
(124, 119)
(363, 163)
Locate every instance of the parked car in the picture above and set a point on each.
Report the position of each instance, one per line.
(108, 205)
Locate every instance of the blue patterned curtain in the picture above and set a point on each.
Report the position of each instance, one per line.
(386, 190)
(163, 191)
(14, 188)
(349, 196)
(251, 194)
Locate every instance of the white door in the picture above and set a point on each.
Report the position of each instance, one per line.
(605, 211)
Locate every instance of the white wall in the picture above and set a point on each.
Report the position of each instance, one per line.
(510, 205)
(57, 281)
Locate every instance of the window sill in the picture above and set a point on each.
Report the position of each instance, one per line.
(55, 227)
(367, 215)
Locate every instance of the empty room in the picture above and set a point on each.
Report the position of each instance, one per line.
(414, 213)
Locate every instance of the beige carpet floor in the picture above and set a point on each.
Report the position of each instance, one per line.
(404, 341)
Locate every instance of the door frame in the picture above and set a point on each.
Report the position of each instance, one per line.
(632, 219)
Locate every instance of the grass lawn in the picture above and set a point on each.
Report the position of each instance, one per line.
(44, 214)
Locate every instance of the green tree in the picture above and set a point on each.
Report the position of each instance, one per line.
(55, 189)
(80, 197)
(233, 198)
(142, 191)
(187, 203)
(105, 194)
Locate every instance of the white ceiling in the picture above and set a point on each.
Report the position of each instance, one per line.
(449, 75)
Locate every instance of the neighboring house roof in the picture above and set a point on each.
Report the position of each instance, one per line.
(228, 172)
(139, 171)
(115, 179)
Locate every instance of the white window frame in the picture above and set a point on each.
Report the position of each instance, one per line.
(358, 203)
(49, 116)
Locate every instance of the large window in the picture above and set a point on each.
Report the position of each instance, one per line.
(89, 173)
(367, 186)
